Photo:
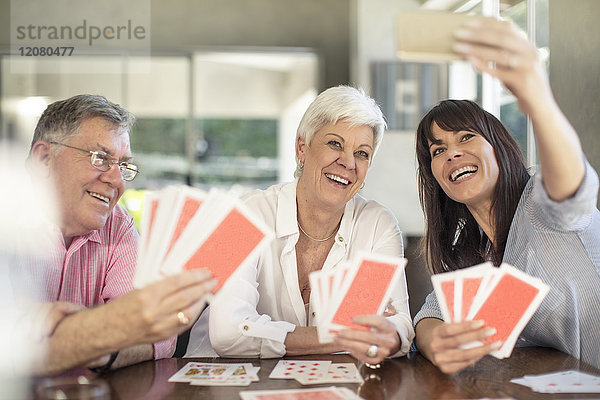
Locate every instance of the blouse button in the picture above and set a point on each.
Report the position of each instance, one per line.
(340, 239)
(245, 327)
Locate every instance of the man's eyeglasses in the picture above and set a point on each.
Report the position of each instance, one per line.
(103, 162)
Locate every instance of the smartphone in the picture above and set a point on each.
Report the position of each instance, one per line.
(428, 36)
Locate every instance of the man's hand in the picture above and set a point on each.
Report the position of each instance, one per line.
(40, 321)
(153, 313)
(141, 317)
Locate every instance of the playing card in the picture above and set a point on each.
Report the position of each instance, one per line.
(512, 298)
(443, 285)
(292, 369)
(185, 207)
(468, 291)
(361, 288)
(228, 236)
(160, 226)
(505, 298)
(341, 277)
(328, 393)
(471, 284)
(203, 372)
(243, 375)
(564, 382)
(151, 202)
(324, 284)
(337, 373)
(457, 290)
(367, 289)
(186, 228)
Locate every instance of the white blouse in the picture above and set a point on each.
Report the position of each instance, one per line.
(261, 302)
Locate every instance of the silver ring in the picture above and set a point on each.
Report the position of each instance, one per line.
(372, 351)
(183, 319)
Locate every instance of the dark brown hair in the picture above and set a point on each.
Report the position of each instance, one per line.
(453, 239)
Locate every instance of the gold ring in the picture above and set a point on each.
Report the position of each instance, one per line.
(183, 319)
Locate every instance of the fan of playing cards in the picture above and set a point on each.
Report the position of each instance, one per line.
(185, 228)
(358, 288)
(216, 374)
(505, 298)
(313, 372)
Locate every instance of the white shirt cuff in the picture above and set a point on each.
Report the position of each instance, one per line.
(273, 331)
(405, 331)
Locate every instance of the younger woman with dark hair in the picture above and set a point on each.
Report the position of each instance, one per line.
(446, 252)
(481, 205)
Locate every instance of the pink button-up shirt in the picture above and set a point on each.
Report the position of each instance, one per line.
(95, 269)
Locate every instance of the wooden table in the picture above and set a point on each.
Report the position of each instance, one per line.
(412, 377)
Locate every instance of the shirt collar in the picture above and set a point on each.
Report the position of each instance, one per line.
(286, 219)
(342, 238)
(93, 236)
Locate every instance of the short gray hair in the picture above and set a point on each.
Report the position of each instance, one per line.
(61, 119)
(341, 103)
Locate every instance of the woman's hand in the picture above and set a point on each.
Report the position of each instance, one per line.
(501, 49)
(442, 343)
(381, 333)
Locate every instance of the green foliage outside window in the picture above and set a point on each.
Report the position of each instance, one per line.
(225, 137)
(226, 151)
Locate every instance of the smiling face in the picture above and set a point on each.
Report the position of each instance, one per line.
(465, 166)
(87, 195)
(335, 163)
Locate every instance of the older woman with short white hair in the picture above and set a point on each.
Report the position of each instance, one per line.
(319, 222)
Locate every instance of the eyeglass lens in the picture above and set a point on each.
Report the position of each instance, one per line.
(103, 163)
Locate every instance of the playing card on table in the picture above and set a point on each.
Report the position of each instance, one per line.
(328, 393)
(561, 382)
(292, 369)
(243, 375)
(337, 373)
(203, 372)
(361, 288)
(505, 298)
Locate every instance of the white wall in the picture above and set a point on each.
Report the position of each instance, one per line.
(392, 177)
(392, 181)
(373, 35)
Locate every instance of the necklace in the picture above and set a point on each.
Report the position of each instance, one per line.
(320, 240)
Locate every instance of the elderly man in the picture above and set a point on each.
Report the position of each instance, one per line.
(89, 313)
